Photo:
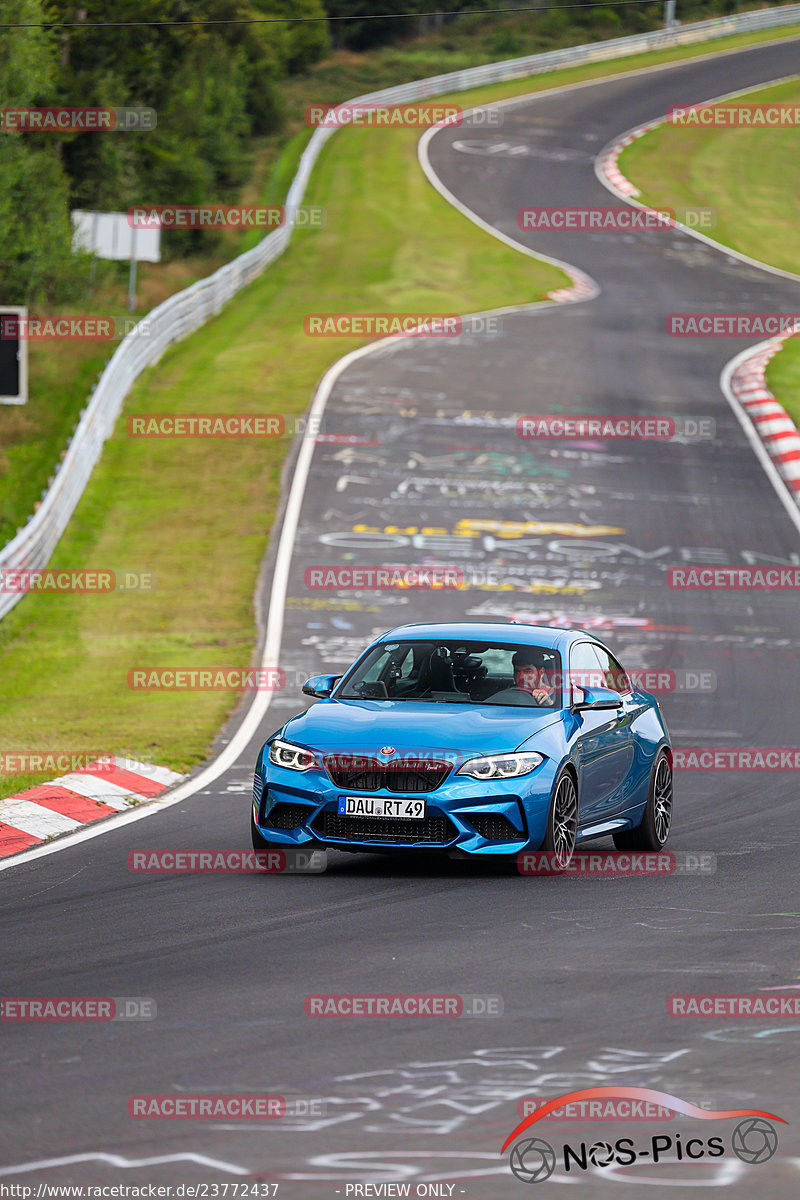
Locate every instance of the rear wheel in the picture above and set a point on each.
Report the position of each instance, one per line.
(562, 823)
(654, 829)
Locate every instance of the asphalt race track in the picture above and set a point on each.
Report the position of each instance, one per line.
(584, 965)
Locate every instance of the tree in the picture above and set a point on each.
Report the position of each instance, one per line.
(363, 30)
(36, 261)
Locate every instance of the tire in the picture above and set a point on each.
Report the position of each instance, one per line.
(562, 822)
(654, 829)
(257, 837)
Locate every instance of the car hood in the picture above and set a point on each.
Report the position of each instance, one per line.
(365, 726)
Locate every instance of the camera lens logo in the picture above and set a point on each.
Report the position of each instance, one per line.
(601, 1154)
(754, 1140)
(533, 1160)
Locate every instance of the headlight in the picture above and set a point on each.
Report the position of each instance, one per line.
(284, 754)
(501, 766)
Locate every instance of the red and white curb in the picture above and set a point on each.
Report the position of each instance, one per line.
(608, 162)
(63, 805)
(771, 421)
(581, 288)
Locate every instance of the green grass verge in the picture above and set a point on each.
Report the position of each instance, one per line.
(783, 378)
(197, 514)
(750, 178)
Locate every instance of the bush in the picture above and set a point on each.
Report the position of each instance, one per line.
(507, 43)
(36, 262)
(608, 20)
(553, 24)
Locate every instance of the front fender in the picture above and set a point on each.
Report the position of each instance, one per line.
(554, 743)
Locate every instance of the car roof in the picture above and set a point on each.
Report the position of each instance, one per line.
(549, 637)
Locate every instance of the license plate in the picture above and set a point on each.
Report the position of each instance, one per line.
(381, 806)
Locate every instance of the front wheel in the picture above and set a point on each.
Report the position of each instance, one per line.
(562, 823)
(257, 837)
(654, 829)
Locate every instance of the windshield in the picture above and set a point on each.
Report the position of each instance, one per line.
(457, 672)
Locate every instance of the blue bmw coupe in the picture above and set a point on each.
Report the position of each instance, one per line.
(474, 739)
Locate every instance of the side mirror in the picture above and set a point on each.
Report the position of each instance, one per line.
(595, 698)
(320, 686)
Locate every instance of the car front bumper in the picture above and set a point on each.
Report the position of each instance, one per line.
(463, 815)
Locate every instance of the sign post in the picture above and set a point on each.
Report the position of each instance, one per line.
(111, 235)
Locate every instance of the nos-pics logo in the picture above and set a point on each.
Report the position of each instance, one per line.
(533, 1160)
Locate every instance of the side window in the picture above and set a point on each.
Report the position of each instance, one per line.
(584, 667)
(388, 663)
(398, 667)
(404, 660)
(616, 678)
(497, 662)
(374, 669)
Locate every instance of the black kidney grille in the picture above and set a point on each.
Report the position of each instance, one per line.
(363, 774)
(398, 775)
(434, 829)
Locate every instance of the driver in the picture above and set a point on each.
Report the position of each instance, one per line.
(531, 676)
(534, 680)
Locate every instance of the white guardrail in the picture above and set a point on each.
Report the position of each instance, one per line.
(186, 311)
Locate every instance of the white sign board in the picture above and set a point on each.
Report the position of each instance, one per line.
(108, 235)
